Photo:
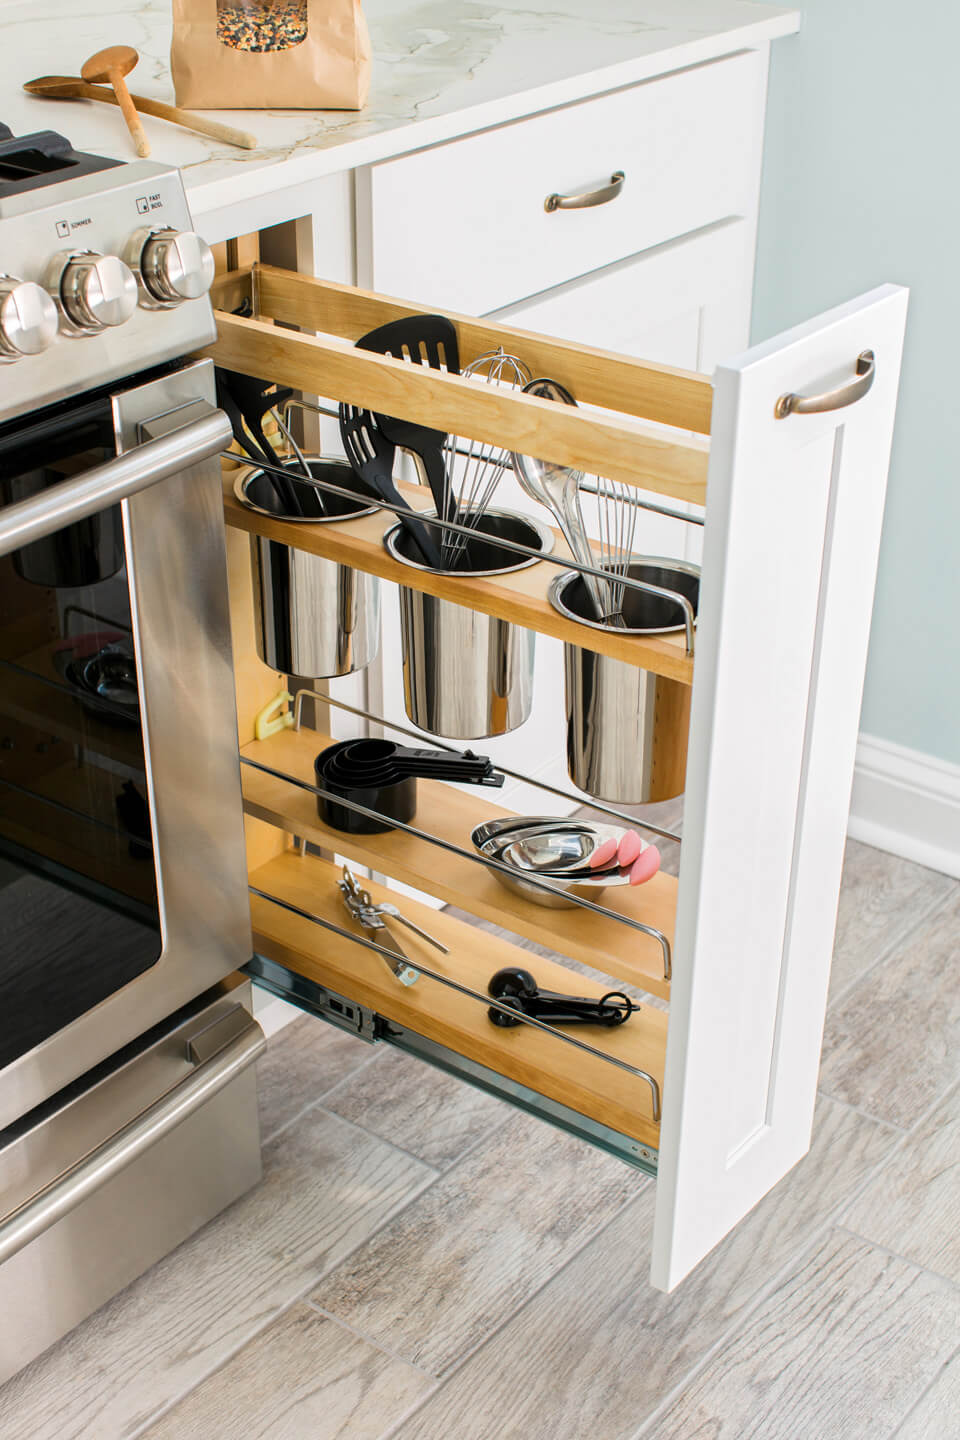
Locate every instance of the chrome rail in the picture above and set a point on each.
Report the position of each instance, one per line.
(485, 860)
(332, 414)
(591, 804)
(462, 450)
(513, 546)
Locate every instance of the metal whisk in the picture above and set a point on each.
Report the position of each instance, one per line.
(475, 468)
(616, 527)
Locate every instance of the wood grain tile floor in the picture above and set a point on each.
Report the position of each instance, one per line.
(423, 1263)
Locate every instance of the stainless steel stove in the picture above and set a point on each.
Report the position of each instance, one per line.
(101, 274)
(127, 1099)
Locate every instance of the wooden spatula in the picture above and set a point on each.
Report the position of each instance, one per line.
(108, 67)
(71, 87)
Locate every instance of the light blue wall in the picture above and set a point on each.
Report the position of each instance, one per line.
(861, 184)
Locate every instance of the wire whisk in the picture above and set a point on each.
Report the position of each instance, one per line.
(475, 468)
(616, 528)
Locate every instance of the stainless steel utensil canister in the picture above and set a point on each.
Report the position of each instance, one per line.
(316, 618)
(467, 676)
(613, 709)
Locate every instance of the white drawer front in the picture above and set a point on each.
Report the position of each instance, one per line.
(463, 225)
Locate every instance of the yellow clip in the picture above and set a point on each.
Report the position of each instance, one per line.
(267, 723)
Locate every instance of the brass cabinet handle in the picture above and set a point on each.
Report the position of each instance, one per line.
(586, 198)
(831, 399)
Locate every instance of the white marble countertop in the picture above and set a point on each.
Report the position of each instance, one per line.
(441, 68)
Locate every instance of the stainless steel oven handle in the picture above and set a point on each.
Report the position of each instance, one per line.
(62, 1195)
(104, 485)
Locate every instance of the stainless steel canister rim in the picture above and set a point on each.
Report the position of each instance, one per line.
(251, 473)
(559, 583)
(542, 532)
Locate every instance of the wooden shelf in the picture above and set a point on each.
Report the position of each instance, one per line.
(586, 1084)
(604, 441)
(679, 398)
(447, 812)
(31, 700)
(520, 597)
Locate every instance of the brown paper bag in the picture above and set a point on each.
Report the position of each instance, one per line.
(270, 54)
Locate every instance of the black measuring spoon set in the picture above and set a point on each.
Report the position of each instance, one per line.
(382, 776)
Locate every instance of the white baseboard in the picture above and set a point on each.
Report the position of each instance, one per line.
(907, 803)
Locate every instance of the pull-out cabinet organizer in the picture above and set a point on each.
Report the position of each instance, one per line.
(716, 1093)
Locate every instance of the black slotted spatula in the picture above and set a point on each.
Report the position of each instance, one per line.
(425, 340)
(371, 455)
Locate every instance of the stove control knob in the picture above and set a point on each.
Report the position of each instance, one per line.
(97, 291)
(28, 318)
(175, 265)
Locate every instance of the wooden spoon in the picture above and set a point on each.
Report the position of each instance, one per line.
(71, 87)
(109, 67)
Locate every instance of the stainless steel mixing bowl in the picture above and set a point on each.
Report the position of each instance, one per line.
(552, 848)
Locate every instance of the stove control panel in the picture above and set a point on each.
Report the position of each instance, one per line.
(110, 280)
(28, 319)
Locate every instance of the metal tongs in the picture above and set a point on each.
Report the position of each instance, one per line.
(370, 915)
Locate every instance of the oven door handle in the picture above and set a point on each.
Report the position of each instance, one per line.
(62, 1195)
(104, 485)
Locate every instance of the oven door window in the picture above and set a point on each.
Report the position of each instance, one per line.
(78, 883)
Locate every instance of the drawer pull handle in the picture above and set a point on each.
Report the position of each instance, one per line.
(586, 198)
(846, 394)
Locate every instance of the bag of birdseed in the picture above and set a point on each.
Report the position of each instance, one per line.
(270, 54)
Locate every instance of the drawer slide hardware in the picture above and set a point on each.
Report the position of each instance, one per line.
(316, 999)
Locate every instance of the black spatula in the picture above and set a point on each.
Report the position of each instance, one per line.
(425, 340)
(253, 400)
(371, 455)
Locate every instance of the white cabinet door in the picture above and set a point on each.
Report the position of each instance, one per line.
(790, 552)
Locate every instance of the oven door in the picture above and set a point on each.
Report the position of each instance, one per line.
(122, 869)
